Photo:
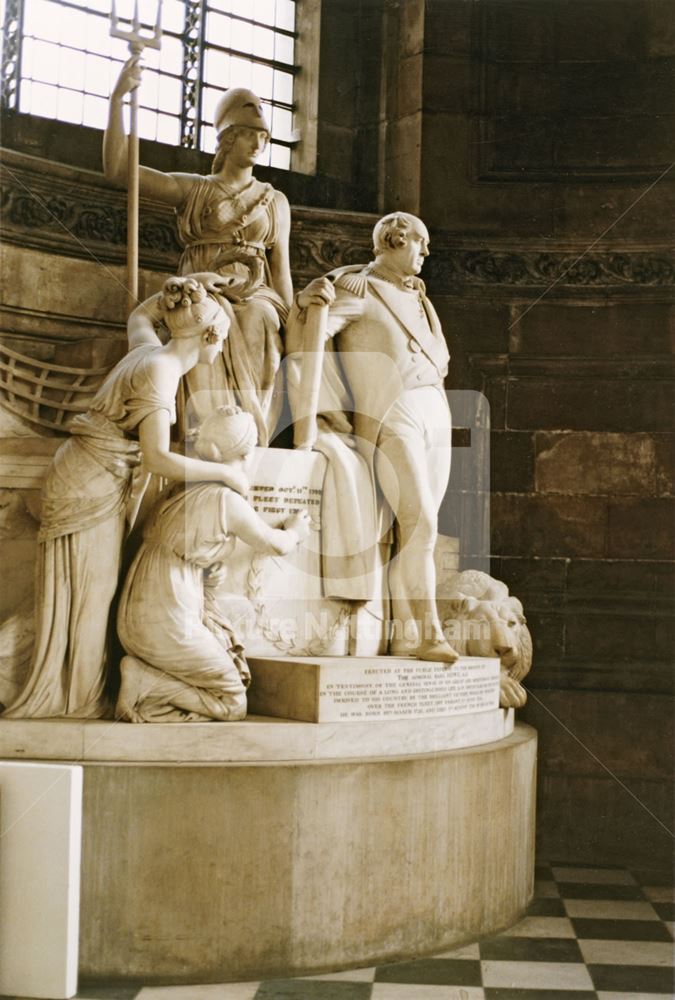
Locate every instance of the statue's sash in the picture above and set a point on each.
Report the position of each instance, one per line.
(424, 328)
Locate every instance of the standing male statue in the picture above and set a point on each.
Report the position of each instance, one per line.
(381, 361)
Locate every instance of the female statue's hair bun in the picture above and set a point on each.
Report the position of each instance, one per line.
(228, 432)
(188, 308)
(182, 292)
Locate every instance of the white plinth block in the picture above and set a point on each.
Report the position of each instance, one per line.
(40, 834)
(368, 688)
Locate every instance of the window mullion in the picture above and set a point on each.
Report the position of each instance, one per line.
(192, 65)
(12, 34)
(202, 49)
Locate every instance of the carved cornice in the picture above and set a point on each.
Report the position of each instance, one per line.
(47, 206)
(322, 240)
(58, 209)
(533, 267)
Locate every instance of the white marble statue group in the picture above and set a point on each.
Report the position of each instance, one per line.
(201, 385)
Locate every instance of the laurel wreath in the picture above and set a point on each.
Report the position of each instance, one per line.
(273, 634)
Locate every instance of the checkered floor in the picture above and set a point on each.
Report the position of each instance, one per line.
(604, 933)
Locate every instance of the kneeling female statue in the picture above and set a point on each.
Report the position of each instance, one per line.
(232, 224)
(185, 662)
(85, 497)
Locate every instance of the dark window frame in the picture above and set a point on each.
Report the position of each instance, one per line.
(194, 44)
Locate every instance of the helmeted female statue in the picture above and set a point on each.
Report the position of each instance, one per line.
(238, 227)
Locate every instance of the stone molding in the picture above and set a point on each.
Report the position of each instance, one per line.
(53, 207)
(258, 740)
(49, 206)
(536, 267)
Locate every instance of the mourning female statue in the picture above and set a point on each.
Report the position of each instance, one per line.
(85, 497)
(234, 225)
(185, 662)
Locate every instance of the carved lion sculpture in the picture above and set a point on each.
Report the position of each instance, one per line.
(480, 618)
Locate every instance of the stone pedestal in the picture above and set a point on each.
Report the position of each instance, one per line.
(216, 852)
(348, 689)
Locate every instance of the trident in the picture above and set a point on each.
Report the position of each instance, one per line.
(137, 42)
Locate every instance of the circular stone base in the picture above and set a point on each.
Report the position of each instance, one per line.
(258, 739)
(215, 871)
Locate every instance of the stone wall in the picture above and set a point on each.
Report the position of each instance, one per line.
(543, 140)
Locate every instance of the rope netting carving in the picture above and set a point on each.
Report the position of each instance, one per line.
(46, 394)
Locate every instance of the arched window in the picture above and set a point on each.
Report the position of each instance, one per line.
(60, 62)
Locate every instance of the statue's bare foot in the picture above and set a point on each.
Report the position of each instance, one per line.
(437, 651)
(130, 690)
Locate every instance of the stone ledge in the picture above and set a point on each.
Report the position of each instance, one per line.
(257, 740)
(65, 210)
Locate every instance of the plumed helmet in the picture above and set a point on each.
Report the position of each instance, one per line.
(239, 106)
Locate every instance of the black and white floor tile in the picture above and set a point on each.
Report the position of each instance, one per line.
(590, 934)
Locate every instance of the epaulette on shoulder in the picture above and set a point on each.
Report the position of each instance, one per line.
(353, 279)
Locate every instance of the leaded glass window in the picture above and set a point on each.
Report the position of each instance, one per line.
(60, 62)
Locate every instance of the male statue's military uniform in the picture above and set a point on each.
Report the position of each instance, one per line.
(385, 362)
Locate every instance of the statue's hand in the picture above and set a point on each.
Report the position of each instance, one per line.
(218, 284)
(214, 575)
(129, 78)
(319, 292)
(236, 479)
(299, 523)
